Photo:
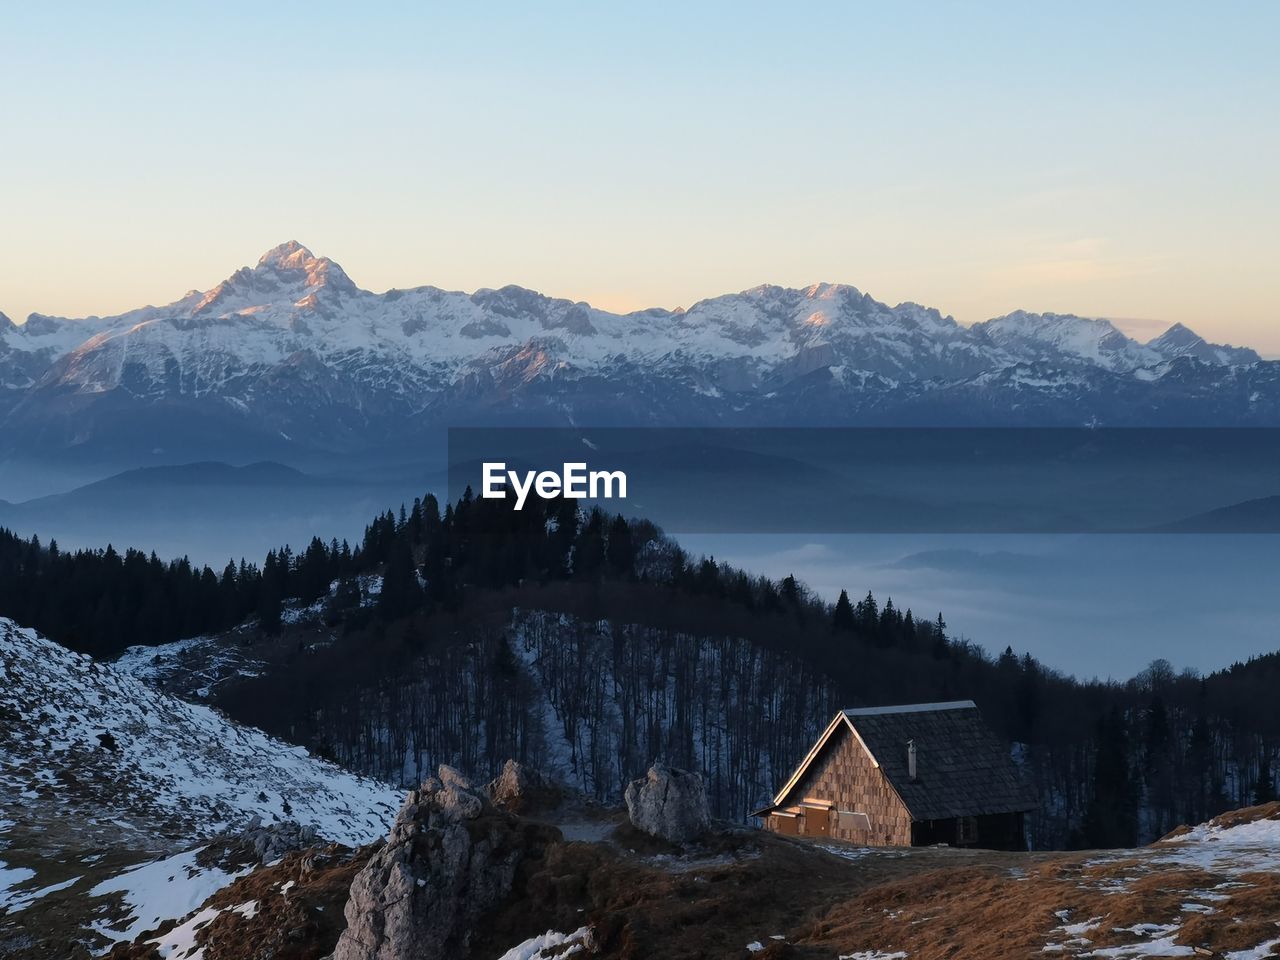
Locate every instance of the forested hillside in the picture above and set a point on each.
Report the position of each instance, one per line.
(590, 645)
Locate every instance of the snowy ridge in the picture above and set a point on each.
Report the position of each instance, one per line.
(1051, 336)
(295, 327)
(78, 732)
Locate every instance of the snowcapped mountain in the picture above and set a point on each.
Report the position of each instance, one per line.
(292, 354)
(1179, 341)
(1065, 339)
(80, 739)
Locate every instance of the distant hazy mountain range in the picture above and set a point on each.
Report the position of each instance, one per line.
(291, 356)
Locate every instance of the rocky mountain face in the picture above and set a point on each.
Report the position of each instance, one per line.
(292, 355)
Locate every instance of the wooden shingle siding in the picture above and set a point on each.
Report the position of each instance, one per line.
(781, 823)
(844, 776)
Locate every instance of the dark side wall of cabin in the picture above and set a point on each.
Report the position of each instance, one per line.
(995, 831)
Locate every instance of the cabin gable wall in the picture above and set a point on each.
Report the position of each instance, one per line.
(844, 776)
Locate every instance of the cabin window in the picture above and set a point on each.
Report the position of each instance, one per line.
(853, 822)
(967, 830)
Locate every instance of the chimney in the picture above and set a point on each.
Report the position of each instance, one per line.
(911, 759)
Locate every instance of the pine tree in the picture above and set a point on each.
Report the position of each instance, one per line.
(941, 646)
(620, 551)
(1029, 692)
(1111, 819)
(1264, 791)
(1200, 762)
(890, 624)
(270, 605)
(868, 616)
(401, 592)
(842, 617)
(707, 579)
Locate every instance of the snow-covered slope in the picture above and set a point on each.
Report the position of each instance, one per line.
(114, 798)
(77, 735)
(292, 349)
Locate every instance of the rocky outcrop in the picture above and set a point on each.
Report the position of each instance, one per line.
(451, 857)
(272, 841)
(669, 803)
(521, 789)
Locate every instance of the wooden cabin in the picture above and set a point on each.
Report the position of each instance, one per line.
(912, 775)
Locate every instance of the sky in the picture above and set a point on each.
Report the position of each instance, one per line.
(1110, 160)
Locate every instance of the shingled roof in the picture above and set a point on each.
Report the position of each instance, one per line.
(962, 769)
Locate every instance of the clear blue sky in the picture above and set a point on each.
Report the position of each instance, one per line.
(1105, 159)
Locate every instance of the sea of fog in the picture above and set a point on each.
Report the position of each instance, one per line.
(1100, 605)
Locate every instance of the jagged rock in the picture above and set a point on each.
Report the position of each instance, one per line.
(669, 803)
(271, 842)
(451, 857)
(453, 776)
(522, 789)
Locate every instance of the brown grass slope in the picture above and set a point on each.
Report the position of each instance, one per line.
(794, 899)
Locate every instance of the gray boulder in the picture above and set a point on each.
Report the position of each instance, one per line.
(522, 789)
(669, 803)
(451, 858)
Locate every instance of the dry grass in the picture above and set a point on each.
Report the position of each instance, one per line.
(976, 913)
(643, 900)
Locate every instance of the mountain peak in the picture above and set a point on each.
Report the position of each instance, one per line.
(288, 255)
(1180, 340)
(295, 260)
(1179, 333)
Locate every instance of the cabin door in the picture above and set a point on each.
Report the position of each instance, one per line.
(817, 823)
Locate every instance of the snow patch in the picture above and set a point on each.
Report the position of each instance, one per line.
(16, 900)
(10, 877)
(158, 891)
(534, 947)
